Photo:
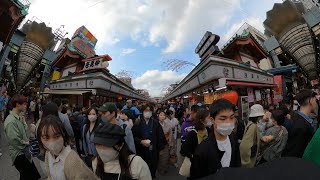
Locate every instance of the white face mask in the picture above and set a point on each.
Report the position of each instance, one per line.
(147, 115)
(54, 147)
(108, 155)
(92, 117)
(225, 129)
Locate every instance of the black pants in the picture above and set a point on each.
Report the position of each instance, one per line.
(152, 159)
(27, 170)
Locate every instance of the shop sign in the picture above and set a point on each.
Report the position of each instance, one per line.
(278, 89)
(208, 98)
(83, 47)
(93, 64)
(85, 35)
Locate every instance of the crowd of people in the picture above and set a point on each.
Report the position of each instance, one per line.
(138, 141)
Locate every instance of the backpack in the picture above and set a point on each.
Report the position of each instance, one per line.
(75, 126)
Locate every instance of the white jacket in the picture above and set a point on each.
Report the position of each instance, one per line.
(139, 168)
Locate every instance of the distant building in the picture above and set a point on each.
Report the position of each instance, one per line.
(157, 99)
(308, 4)
(143, 92)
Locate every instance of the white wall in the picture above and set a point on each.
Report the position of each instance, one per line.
(66, 71)
(265, 64)
(245, 60)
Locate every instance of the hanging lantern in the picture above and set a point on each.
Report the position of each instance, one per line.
(231, 96)
(120, 98)
(190, 96)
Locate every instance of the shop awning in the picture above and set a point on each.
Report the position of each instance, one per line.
(67, 92)
(241, 83)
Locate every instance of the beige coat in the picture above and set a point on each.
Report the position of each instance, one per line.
(74, 168)
(251, 138)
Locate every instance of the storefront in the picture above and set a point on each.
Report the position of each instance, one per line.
(215, 76)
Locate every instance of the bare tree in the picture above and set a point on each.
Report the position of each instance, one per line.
(176, 64)
(125, 74)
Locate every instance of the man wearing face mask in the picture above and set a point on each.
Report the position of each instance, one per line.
(149, 138)
(220, 149)
(108, 115)
(301, 131)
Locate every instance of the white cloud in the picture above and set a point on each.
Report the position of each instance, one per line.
(127, 51)
(156, 80)
(147, 21)
(253, 21)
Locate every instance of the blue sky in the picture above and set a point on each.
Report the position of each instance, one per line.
(141, 34)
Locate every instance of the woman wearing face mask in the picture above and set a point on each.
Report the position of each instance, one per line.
(250, 143)
(61, 162)
(196, 136)
(164, 153)
(45, 110)
(124, 115)
(149, 138)
(174, 138)
(114, 160)
(88, 135)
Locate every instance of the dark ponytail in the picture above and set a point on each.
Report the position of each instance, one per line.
(123, 161)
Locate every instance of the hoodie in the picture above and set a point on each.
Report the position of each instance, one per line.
(186, 127)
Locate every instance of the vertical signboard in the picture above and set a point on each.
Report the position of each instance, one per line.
(278, 89)
(258, 95)
(244, 107)
(250, 95)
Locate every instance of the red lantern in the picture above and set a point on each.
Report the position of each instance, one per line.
(120, 98)
(231, 96)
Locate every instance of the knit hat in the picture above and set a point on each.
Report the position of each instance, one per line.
(108, 134)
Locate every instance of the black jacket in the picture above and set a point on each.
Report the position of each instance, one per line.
(189, 146)
(158, 139)
(299, 136)
(207, 157)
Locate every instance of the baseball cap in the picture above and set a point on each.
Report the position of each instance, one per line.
(108, 134)
(256, 111)
(109, 106)
(304, 94)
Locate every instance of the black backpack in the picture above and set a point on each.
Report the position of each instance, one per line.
(75, 126)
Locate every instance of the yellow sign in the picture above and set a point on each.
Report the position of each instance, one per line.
(55, 75)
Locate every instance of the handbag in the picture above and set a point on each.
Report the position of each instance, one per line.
(263, 151)
(185, 167)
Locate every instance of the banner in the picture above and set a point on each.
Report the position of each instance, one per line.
(250, 95)
(258, 95)
(278, 89)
